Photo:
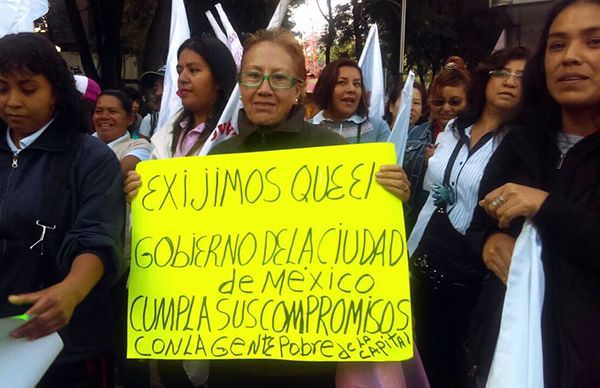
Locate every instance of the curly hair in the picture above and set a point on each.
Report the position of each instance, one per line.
(32, 54)
(453, 73)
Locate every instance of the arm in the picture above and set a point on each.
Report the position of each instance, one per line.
(53, 307)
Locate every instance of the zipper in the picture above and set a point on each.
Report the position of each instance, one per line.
(561, 160)
(15, 159)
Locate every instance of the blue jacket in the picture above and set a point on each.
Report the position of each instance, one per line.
(88, 213)
(415, 166)
(371, 129)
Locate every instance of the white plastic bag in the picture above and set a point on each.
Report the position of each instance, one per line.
(518, 358)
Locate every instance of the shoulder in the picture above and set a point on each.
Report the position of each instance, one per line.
(320, 136)
(417, 131)
(93, 151)
(379, 123)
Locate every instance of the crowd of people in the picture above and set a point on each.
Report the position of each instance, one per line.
(514, 139)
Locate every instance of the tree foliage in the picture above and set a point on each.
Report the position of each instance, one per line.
(435, 30)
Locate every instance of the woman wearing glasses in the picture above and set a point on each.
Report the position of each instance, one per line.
(547, 170)
(447, 98)
(447, 275)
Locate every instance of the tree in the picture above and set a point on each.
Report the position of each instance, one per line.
(435, 29)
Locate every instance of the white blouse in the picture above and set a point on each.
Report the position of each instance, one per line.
(464, 179)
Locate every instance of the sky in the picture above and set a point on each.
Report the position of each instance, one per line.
(308, 18)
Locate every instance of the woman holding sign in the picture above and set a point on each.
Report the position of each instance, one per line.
(547, 171)
(62, 214)
(447, 275)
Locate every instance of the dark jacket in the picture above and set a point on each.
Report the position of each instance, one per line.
(568, 222)
(415, 166)
(292, 133)
(86, 204)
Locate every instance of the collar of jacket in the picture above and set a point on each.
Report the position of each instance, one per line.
(355, 118)
(293, 123)
(55, 138)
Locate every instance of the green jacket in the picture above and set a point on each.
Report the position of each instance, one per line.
(294, 132)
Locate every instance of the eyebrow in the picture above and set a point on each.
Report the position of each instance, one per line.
(586, 31)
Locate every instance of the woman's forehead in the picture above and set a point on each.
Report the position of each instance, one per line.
(268, 55)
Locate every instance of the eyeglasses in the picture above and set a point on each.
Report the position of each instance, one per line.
(454, 101)
(254, 79)
(505, 74)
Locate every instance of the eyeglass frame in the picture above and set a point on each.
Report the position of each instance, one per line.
(440, 102)
(505, 74)
(293, 80)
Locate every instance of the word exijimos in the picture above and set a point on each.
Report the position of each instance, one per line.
(217, 187)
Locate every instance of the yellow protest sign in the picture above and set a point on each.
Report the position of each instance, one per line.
(295, 254)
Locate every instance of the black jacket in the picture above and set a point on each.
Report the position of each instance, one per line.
(83, 199)
(568, 223)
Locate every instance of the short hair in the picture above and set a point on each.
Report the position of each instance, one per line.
(32, 53)
(287, 41)
(327, 81)
(454, 73)
(477, 98)
(538, 107)
(132, 93)
(123, 98)
(222, 66)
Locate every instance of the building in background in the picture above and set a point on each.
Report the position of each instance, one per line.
(523, 20)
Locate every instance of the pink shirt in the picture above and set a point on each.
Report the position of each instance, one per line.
(187, 140)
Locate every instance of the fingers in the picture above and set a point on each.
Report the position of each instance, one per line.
(21, 299)
(40, 326)
(133, 181)
(401, 194)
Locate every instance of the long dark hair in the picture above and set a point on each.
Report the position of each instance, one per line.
(480, 79)
(327, 81)
(539, 109)
(31, 53)
(223, 69)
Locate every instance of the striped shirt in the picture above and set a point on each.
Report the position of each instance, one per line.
(464, 179)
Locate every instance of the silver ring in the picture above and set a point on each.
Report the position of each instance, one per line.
(499, 201)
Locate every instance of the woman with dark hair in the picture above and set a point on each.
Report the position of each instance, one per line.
(206, 79)
(447, 98)
(340, 94)
(547, 171)
(62, 213)
(112, 116)
(446, 273)
(418, 109)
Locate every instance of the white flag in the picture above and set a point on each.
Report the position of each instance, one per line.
(233, 42)
(216, 28)
(19, 15)
(372, 68)
(228, 123)
(518, 357)
(501, 42)
(399, 133)
(170, 103)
